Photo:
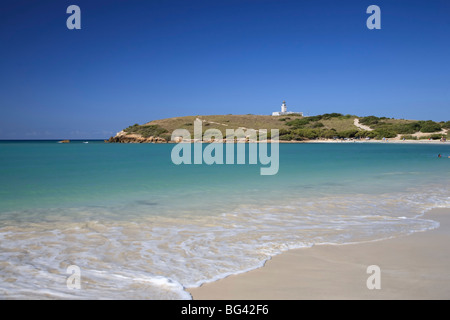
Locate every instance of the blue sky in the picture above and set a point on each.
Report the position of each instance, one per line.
(135, 61)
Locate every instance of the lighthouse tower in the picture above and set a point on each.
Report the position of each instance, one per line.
(283, 107)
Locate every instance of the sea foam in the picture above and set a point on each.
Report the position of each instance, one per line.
(157, 256)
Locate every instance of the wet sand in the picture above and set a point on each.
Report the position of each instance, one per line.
(412, 267)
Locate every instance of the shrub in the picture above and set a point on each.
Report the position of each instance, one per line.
(436, 136)
(382, 133)
(409, 137)
(446, 125)
(328, 134)
(407, 128)
(298, 123)
(362, 134)
(347, 133)
(318, 125)
(433, 137)
(370, 120)
(328, 116)
(303, 122)
(286, 137)
(284, 132)
(302, 134)
(146, 130)
(429, 126)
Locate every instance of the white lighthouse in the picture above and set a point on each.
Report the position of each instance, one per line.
(284, 111)
(283, 107)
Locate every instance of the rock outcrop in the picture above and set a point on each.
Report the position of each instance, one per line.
(123, 137)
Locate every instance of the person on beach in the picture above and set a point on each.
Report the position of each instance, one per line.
(439, 155)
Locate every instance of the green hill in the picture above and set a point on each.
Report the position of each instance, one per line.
(291, 127)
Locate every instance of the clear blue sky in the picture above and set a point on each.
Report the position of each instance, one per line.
(135, 61)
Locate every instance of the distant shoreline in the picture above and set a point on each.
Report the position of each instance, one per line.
(324, 141)
(48, 140)
(388, 141)
(381, 141)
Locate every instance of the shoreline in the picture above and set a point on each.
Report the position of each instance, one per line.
(223, 141)
(267, 141)
(412, 267)
(380, 141)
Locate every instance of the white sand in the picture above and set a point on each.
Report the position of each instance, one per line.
(412, 267)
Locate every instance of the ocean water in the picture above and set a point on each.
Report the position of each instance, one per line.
(140, 227)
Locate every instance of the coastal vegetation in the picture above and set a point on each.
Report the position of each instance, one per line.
(401, 126)
(146, 131)
(445, 125)
(294, 127)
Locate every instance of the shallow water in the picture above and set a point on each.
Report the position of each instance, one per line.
(139, 226)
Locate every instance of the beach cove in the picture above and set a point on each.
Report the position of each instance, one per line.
(140, 227)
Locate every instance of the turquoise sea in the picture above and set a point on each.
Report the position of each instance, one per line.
(140, 227)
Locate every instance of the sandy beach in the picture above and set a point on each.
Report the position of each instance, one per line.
(397, 141)
(416, 266)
